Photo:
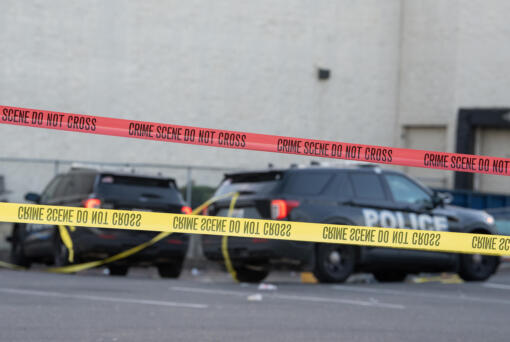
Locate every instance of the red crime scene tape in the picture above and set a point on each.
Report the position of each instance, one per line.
(253, 141)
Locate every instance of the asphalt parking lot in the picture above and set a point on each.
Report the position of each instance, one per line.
(91, 306)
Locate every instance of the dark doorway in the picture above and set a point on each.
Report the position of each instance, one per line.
(467, 123)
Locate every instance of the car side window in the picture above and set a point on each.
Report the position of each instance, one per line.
(307, 183)
(406, 191)
(71, 186)
(367, 186)
(50, 190)
(340, 187)
(84, 183)
(62, 187)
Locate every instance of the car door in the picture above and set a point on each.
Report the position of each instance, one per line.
(371, 206)
(370, 198)
(413, 209)
(338, 201)
(415, 203)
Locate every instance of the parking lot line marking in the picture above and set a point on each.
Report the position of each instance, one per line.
(371, 303)
(497, 286)
(462, 297)
(102, 299)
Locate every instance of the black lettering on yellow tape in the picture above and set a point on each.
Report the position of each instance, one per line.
(268, 229)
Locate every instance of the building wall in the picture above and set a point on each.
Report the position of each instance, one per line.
(454, 55)
(248, 66)
(225, 64)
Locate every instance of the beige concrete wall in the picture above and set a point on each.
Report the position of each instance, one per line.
(245, 66)
(454, 54)
(227, 64)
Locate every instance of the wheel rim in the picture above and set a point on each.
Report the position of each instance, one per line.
(335, 263)
(481, 263)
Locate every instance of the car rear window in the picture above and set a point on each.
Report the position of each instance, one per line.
(136, 181)
(163, 189)
(250, 183)
(307, 183)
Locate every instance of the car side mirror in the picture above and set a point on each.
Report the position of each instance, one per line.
(442, 198)
(33, 197)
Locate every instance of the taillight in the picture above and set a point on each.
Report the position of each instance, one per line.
(280, 209)
(186, 210)
(92, 203)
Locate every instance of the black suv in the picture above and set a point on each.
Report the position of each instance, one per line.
(110, 190)
(357, 195)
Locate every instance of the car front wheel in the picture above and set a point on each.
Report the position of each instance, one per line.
(477, 267)
(251, 273)
(334, 263)
(170, 270)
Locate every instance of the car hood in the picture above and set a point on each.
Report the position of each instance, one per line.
(468, 217)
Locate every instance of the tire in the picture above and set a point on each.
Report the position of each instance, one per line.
(251, 274)
(476, 267)
(170, 270)
(17, 253)
(334, 263)
(60, 252)
(390, 276)
(118, 270)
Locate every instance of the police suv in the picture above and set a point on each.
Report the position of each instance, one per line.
(90, 188)
(357, 195)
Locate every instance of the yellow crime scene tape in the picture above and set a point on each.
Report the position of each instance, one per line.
(438, 241)
(67, 240)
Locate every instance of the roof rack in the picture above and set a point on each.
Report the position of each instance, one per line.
(99, 167)
(368, 166)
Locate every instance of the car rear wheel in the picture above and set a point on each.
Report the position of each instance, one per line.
(251, 273)
(477, 267)
(118, 270)
(334, 263)
(390, 276)
(170, 270)
(17, 255)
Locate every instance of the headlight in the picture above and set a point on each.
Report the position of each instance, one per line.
(489, 219)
